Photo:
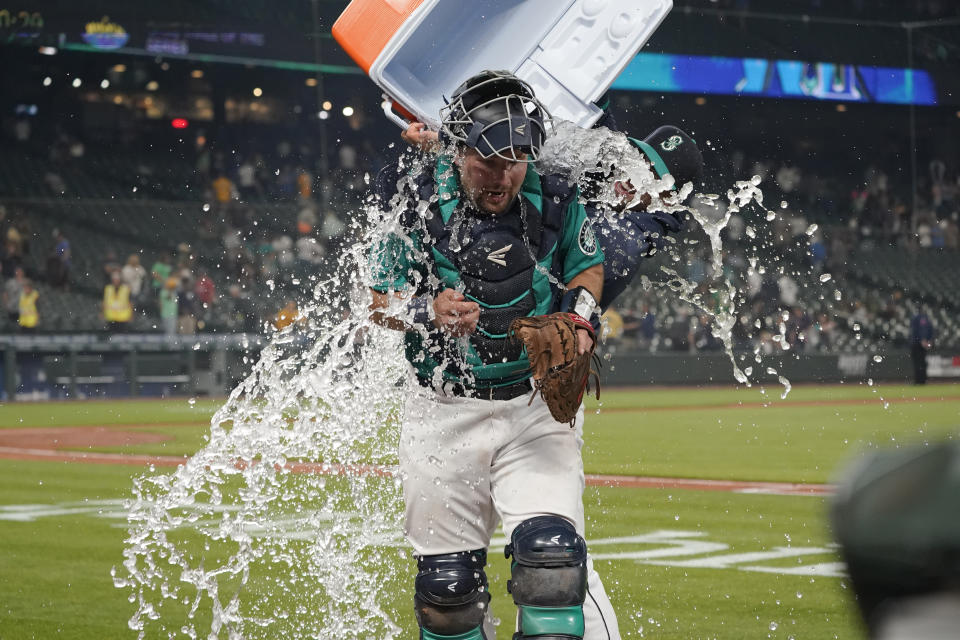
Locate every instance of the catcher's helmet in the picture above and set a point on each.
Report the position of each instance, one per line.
(496, 113)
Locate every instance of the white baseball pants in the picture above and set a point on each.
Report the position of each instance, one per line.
(468, 464)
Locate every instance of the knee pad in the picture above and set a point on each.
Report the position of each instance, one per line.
(451, 595)
(548, 578)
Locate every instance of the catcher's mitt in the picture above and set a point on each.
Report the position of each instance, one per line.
(560, 374)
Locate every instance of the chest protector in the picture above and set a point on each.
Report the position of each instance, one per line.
(504, 263)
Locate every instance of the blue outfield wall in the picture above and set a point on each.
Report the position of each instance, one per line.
(626, 369)
(62, 367)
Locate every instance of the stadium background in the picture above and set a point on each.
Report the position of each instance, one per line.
(116, 124)
(227, 145)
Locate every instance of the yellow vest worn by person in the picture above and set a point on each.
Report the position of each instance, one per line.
(28, 309)
(116, 303)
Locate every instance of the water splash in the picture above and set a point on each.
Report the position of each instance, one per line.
(287, 523)
(582, 155)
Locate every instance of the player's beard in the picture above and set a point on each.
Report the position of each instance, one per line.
(483, 211)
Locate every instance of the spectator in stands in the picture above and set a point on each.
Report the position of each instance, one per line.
(186, 307)
(238, 311)
(110, 264)
(679, 333)
(286, 316)
(203, 166)
(247, 180)
(117, 305)
(159, 274)
(334, 230)
(789, 291)
(29, 316)
(703, 338)
(286, 182)
(798, 325)
(12, 289)
(205, 290)
(304, 184)
(59, 261)
(286, 258)
(223, 193)
(310, 253)
(22, 130)
(921, 342)
(10, 258)
(17, 233)
(133, 275)
(307, 218)
(817, 253)
(169, 312)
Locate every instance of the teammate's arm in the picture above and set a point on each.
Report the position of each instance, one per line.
(590, 279)
(452, 312)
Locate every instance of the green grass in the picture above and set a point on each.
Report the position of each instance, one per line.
(108, 412)
(720, 434)
(55, 571)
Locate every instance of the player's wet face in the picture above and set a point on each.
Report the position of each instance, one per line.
(491, 183)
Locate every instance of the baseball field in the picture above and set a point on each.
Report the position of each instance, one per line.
(706, 507)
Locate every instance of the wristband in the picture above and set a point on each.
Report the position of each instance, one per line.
(579, 301)
(420, 310)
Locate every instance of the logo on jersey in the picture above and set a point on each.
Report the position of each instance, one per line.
(500, 255)
(671, 143)
(586, 239)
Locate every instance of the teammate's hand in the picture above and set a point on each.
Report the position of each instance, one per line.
(584, 341)
(454, 314)
(418, 135)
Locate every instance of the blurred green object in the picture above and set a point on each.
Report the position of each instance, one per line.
(896, 515)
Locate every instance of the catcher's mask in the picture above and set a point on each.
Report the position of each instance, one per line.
(497, 114)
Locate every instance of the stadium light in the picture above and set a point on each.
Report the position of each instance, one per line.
(841, 108)
(323, 115)
(179, 123)
(311, 82)
(47, 81)
(257, 92)
(347, 111)
(48, 51)
(700, 101)
(196, 73)
(327, 105)
(76, 83)
(119, 68)
(153, 85)
(104, 84)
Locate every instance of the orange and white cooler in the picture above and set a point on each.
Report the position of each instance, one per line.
(570, 51)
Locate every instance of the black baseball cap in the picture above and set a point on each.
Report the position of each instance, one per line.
(671, 150)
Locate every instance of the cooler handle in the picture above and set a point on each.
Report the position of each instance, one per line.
(392, 115)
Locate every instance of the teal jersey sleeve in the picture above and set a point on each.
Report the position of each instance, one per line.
(579, 249)
(391, 266)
